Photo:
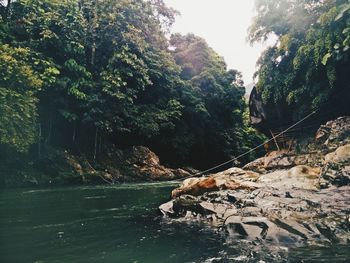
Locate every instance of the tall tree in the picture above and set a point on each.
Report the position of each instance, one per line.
(92, 73)
(213, 129)
(306, 68)
(22, 75)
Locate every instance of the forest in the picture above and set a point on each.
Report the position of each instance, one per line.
(125, 141)
(307, 68)
(82, 75)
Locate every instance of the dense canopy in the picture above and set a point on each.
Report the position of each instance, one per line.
(308, 67)
(83, 75)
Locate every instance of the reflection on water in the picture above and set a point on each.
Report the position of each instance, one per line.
(120, 224)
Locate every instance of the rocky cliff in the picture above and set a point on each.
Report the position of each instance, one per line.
(289, 198)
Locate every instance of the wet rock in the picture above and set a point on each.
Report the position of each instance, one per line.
(262, 228)
(167, 208)
(186, 203)
(283, 198)
(196, 186)
(268, 214)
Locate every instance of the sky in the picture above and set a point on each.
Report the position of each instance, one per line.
(224, 25)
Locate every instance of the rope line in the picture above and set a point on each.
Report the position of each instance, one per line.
(253, 149)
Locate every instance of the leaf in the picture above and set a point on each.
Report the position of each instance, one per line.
(325, 58)
(339, 16)
(342, 12)
(346, 30)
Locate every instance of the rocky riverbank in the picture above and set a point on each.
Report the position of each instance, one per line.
(133, 164)
(289, 198)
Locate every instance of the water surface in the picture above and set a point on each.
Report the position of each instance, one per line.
(120, 224)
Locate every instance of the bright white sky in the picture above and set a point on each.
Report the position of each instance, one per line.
(223, 24)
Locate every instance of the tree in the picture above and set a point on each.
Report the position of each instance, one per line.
(94, 73)
(306, 68)
(22, 75)
(214, 105)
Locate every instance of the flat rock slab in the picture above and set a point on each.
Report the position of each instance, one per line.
(282, 216)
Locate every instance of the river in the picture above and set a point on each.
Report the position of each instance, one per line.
(120, 224)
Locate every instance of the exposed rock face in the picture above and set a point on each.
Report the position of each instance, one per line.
(256, 108)
(286, 199)
(334, 132)
(300, 176)
(337, 167)
(264, 116)
(220, 181)
(143, 163)
(271, 214)
(136, 163)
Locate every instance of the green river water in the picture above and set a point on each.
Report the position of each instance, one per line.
(121, 224)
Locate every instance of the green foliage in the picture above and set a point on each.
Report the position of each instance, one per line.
(307, 67)
(214, 104)
(19, 82)
(94, 73)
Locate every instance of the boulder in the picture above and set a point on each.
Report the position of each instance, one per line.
(167, 208)
(140, 155)
(138, 163)
(301, 176)
(296, 216)
(256, 165)
(334, 132)
(336, 170)
(283, 198)
(234, 178)
(277, 160)
(340, 155)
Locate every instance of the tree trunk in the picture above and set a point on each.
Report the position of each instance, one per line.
(95, 145)
(39, 141)
(48, 139)
(74, 131)
(100, 144)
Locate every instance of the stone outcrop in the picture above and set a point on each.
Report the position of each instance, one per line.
(141, 162)
(221, 181)
(340, 155)
(274, 215)
(336, 170)
(132, 164)
(282, 198)
(334, 132)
